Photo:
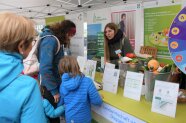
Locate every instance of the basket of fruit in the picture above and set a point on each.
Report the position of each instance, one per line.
(153, 71)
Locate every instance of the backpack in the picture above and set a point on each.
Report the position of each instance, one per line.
(31, 63)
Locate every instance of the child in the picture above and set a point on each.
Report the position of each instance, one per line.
(77, 92)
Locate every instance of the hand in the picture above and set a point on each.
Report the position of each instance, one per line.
(56, 98)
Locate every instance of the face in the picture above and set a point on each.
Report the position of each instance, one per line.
(69, 36)
(123, 18)
(109, 33)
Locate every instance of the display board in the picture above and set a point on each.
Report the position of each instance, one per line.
(156, 27)
(177, 40)
(77, 42)
(126, 22)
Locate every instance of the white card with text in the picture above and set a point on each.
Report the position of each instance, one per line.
(109, 65)
(90, 68)
(81, 61)
(165, 98)
(133, 85)
(110, 80)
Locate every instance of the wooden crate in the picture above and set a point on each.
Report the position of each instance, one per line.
(149, 50)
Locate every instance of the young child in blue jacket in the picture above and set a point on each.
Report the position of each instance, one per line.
(77, 92)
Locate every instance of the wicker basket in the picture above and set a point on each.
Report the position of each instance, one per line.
(182, 99)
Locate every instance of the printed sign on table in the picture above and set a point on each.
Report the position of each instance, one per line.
(165, 98)
(81, 61)
(90, 68)
(110, 80)
(133, 85)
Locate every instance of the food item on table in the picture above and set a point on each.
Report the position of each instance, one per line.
(153, 65)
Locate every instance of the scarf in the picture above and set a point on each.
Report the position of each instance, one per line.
(116, 38)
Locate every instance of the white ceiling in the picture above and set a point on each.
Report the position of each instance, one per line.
(39, 9)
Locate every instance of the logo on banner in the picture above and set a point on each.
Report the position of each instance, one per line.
(174, 45)
(182, 17)
(179, 58)
(175, 30)
(98, 18)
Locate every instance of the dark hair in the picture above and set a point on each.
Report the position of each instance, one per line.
(123, 15)
(61, 29)
(69, 64)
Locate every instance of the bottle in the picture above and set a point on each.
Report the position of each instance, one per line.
(166, 68)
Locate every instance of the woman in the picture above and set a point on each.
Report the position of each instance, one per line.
(50, 78)
(115, 40)
(20, 98)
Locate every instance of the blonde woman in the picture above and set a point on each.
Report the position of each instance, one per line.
(20, 98)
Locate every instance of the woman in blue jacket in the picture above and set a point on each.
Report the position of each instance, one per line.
(20, 98)
(77, 92)
(49, 57)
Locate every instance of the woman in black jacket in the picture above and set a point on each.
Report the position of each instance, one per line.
(115, 40)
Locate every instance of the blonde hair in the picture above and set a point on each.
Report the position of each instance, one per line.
(69, 64)
(114, 27)
(14, 29)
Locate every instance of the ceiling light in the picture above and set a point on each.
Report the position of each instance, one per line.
(79, 6)
(49, 14)
(125, 1)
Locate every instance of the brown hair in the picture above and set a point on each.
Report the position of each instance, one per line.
(14, 29)
(114, 27)
(61, 29)
(69, 64)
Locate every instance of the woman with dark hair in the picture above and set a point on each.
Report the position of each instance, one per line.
(114, 39)
(49, 59)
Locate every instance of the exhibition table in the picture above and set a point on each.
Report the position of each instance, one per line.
(139, 109)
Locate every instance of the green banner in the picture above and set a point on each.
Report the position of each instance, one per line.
(156, 27)
(100, 44)
(51, 20)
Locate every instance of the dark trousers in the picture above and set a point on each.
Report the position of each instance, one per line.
(47, 95)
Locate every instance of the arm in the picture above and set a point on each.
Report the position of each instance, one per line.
(32, 110)
(47, 51)
(127, 48)
(50, 111)
(94, 96)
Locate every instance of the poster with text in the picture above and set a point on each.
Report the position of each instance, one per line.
(96, 21)
(157, 22)
(77, 42)
(100, 16)
(95, 48)
(126, 22)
